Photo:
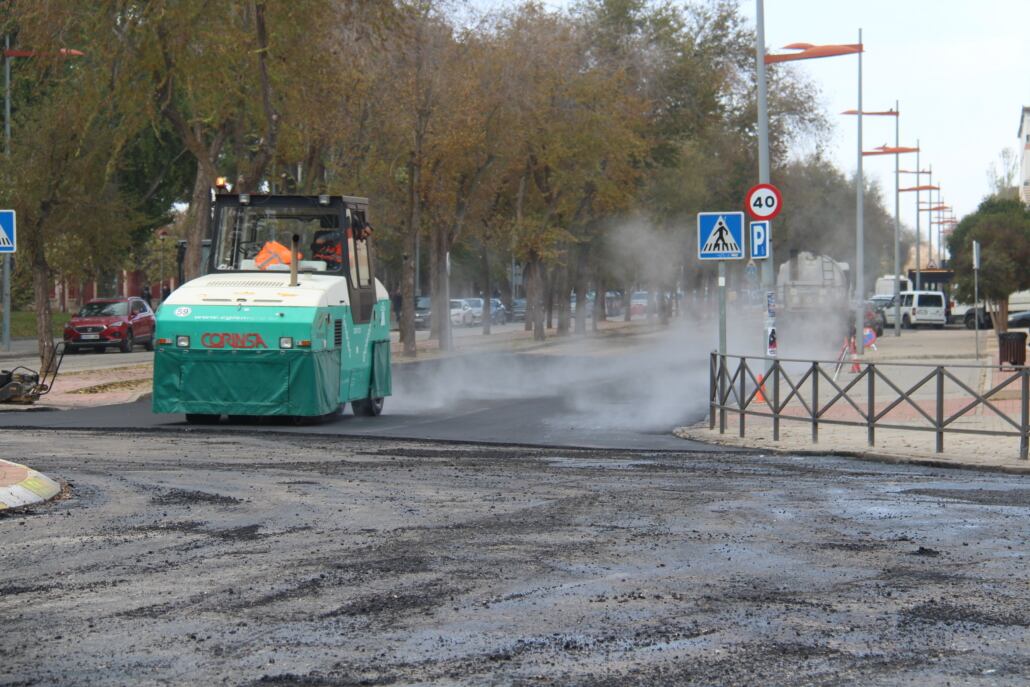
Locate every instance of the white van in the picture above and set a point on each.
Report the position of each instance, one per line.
(1018, 301)
(920, 308)
(885, 285)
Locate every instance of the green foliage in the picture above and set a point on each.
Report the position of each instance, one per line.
(1002, 226)
(23, 323)
(532, 133)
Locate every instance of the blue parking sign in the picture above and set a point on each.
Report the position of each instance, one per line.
(760, 237)
(8, 233)
(720, 235)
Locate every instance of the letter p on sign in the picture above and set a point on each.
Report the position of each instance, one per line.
(760, 240)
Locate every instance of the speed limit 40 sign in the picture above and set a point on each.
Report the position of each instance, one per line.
(764, 201)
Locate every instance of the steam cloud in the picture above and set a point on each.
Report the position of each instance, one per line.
(648, 382)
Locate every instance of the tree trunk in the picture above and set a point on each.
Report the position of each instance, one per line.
(487, 290)
(581, 291)
(549, 294)
(1000, 315)
(41, 291)
(561, 293)
(441, 288)
(199, 220)
(600, 303)
(537, 282)
(664, 305)
(529, 291)
(407, 314)
(652, 300)
(627, 298)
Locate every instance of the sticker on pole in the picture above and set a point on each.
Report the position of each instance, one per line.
(720, 235)
(759, 240)
(8, 234)
(764, 201)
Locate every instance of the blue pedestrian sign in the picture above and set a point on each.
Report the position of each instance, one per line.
(720, 235)
(8, 236)
(760, 240)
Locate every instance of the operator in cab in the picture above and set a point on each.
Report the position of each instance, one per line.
(328, 247)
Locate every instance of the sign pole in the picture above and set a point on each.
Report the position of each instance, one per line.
(720, 237)
(722, 307)
(976, 295)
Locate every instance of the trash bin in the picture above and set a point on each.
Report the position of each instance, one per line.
(1012, 348)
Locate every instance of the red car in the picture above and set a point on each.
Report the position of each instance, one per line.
(103, 322)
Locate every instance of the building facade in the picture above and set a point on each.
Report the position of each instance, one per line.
(1024, 156)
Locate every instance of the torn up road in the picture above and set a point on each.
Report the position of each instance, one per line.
(207, 559)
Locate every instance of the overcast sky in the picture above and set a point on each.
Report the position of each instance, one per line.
(960, 69)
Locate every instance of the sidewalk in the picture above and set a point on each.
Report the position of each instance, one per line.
(21, 348)
(950, 347)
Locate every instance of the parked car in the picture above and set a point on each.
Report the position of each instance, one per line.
(518, 309)
(498, 313)
(104, 322)
(613, 303)
(423, 312)
(920, 308)
(968, 318)
(880, 302)
(461, 313)
(638, 303)
(476, 305)
(1019, 320)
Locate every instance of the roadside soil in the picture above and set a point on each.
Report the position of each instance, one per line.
(273, 560)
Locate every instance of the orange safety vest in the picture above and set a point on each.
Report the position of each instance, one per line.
(273, 253)
(330, 252)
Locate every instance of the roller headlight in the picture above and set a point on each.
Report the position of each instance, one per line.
(182, 341)
(285, 342)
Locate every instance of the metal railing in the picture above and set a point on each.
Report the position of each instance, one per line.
(793, 390)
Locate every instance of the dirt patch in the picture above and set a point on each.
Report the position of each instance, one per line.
(943, 612)
(393, 603)
(123, 385)
(185, 497)
(1019, 498)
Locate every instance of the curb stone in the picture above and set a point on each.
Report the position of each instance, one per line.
(22, 486)
(867, 456)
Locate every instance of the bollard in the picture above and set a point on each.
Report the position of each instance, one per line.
(815, 403)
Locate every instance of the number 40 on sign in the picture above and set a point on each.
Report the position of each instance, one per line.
(764, 201)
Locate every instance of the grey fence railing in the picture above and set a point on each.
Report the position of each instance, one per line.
(808, 391)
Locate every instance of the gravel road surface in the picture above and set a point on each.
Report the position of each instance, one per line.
(279, 559)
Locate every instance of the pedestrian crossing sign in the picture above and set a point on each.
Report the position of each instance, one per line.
(720, 235)
(8, 236)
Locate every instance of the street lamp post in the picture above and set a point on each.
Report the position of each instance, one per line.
(917, 188)
(939, 207)
(896, 151)
(769, 264)
(807, 51)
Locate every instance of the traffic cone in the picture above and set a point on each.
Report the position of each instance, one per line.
(760, 396)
